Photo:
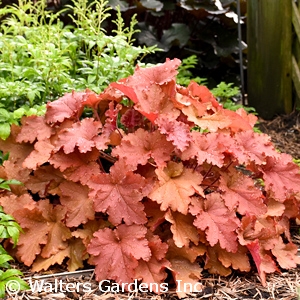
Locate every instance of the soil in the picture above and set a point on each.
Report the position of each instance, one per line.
(285, 134)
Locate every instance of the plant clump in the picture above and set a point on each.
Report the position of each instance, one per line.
(158, 179)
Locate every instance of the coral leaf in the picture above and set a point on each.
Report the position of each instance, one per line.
(240, 191)
(211, 122)
(75, 252)
(40, 155)
(67, 107)
(119, 194)
(263, 261)
(217, 220)
(254, 147)
(116, 252)
(137, 148)
(81, 135)
(153, 270)
(281, 176)
(177, 132)
(34, 127)
(80, 208)
(208, 147)
(45, 180)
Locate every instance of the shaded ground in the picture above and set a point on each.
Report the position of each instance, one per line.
(285, 134)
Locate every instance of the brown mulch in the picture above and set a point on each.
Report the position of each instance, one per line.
(285, 134)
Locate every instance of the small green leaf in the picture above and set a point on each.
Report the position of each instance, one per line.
(4, 130)
(10, 273)
(4, 115)
(5, 258)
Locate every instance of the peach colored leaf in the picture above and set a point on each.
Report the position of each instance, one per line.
(182, 228)
(81, 135)
(250, 118)
(186, 275)
(155, 216)
(75, 252)
(15, 170)
(275, 208)
(17, 152)
(264, 229)
(119, 194)
(40, 155)
(240, 192)
(238, 123)
(34, 127)
(75, 159)
(89, 228)
(174, 187)
(286, 254)
(154, 100)
(281, 176)
(214, 265)
(45, 180)
(91, 99)
(238, 260)
(71, 105)
(141, 146)
(116, 252)
(80, 208)
(190, 253)
(12, 203)
(153, 270)
(159, 74)
(42, 226)
(151, 88)
(218, 222)
(212, 123)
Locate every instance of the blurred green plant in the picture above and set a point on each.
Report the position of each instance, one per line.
(185, 74)
(41, 58)
(228, 95)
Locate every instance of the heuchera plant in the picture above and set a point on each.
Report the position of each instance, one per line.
(159, 179)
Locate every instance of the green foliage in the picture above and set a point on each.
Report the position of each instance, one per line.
(41, 58)
(224, 91)
(5, 184)
(226, 94)
(9, 278)
(185, 74)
